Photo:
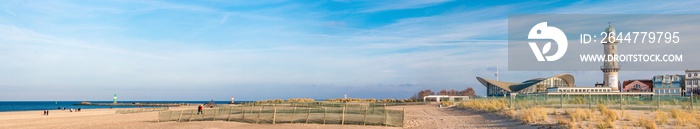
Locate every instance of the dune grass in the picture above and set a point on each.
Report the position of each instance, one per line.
(609, 114)
(533, 115)
(578, 115)
(681, 116)
(604, 124)
(494, 105)
(661, 117)
(646, 122)
(601, 117)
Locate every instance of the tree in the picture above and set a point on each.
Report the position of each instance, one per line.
(422, 94)
(469, 92)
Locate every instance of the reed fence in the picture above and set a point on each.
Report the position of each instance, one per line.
(295, 113)
(139, 110)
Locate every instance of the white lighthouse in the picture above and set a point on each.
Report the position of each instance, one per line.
(610, 66)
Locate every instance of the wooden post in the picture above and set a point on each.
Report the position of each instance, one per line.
(293, 113)
(274, 115)
(561, 100)
(364, 120)
(158, 115)
(589, 100)
(324, 115)
(510, 101)
(658, 102)
(536, 99)
(403, 117)
(242, 114)
(307, 115)
(230, 111)
(216, 112)
(386, 116)
(191, 114)
(258, 118)
(170, 113)
(546, 97)
(620, 99)
(342, 119)
(178, 118)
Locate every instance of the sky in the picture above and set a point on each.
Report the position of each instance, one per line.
(256, 50)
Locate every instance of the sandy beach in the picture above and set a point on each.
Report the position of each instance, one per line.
(417, 116)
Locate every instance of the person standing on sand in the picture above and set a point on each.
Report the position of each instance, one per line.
(199, 109)
(47, 112)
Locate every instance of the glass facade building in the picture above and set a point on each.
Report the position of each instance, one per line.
(537, 85)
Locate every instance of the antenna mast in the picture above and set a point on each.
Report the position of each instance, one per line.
(496, 73)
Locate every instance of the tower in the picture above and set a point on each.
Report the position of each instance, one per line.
(610, 66)
(115, 98)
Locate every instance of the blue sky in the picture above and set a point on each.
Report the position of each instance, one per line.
(201, 50)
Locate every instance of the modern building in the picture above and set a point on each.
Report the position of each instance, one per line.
(691, 82)
(537, 85)
(644, 85)
(561, 84)
(668, 84)
(610, 67)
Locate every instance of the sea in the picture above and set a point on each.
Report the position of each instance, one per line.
(6, 106)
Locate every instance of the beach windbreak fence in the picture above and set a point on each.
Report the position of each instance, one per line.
(352, 114)
(612, 101)
(139, 110)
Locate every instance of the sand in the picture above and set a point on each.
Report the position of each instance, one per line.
(417, 116)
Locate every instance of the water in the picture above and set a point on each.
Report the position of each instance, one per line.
(54, 105)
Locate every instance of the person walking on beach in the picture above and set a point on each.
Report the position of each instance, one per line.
(199, 109)
(47, 112)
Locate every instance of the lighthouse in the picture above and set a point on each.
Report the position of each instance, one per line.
(115, 99)
(610, 66)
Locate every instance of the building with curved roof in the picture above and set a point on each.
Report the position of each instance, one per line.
(537, 85)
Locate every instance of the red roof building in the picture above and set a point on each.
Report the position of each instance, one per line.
(637, 86)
